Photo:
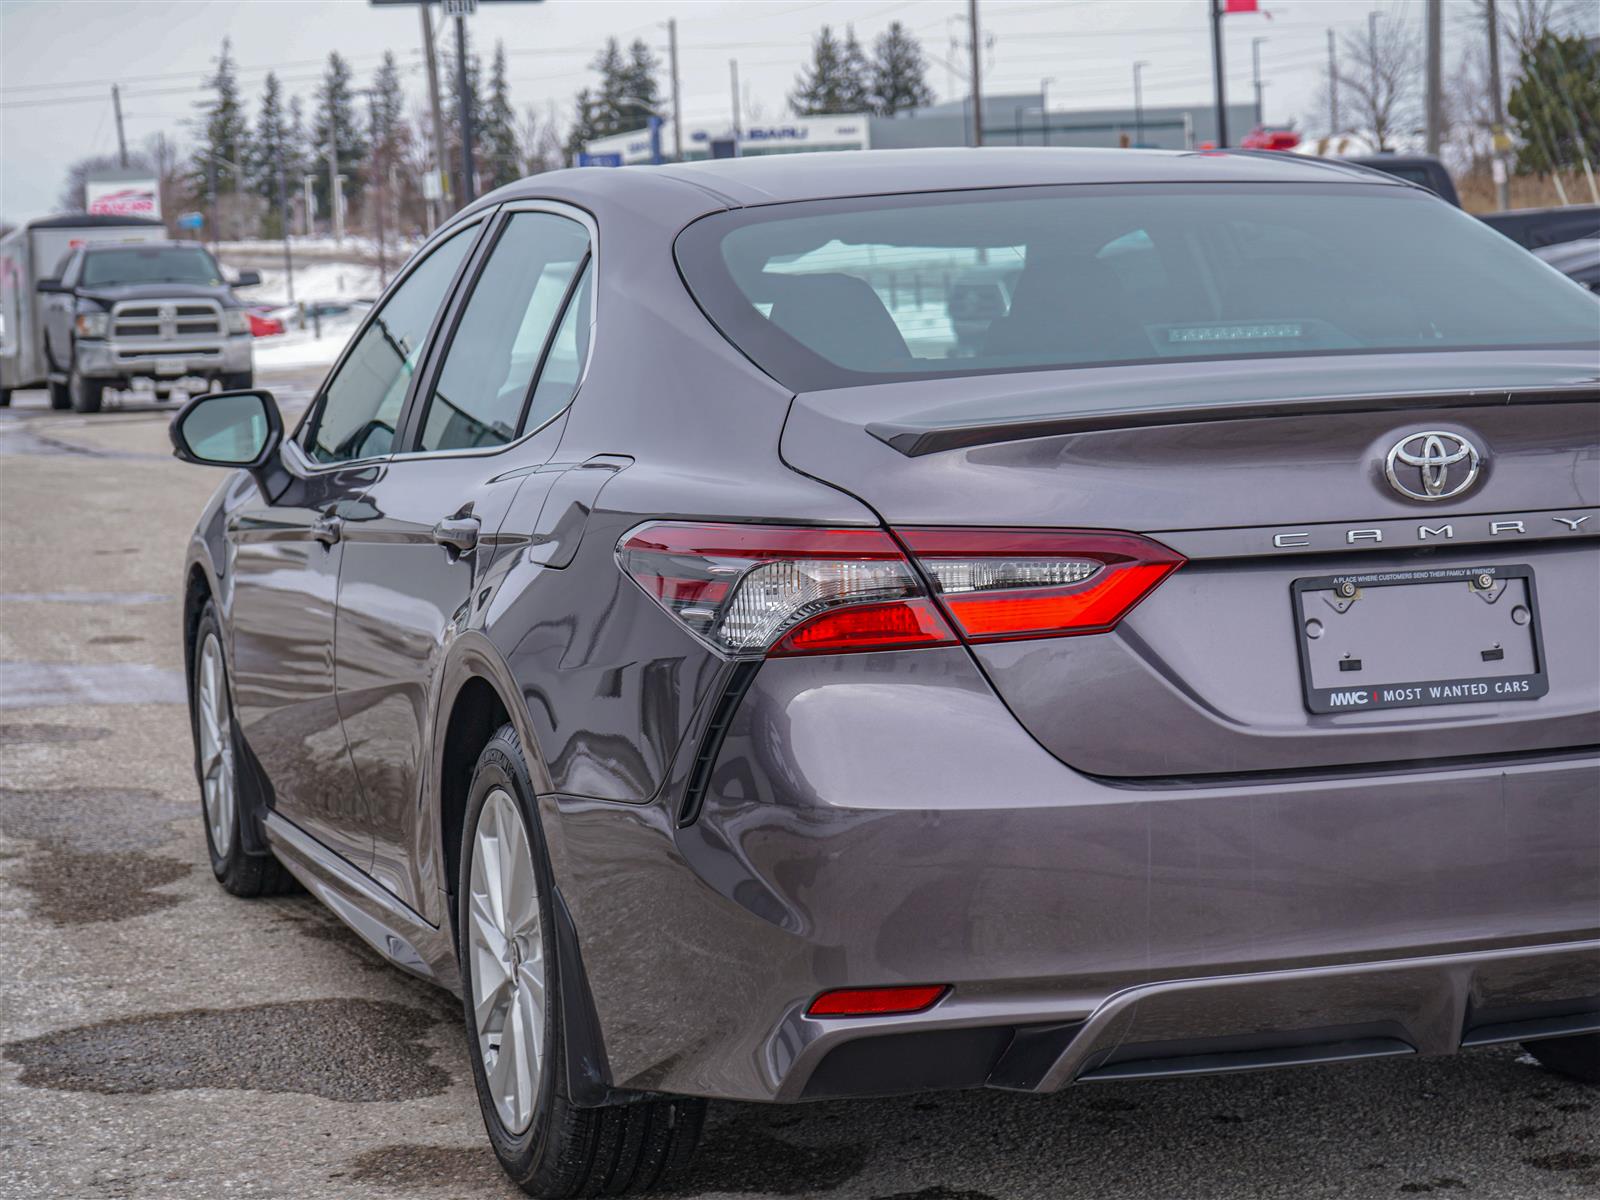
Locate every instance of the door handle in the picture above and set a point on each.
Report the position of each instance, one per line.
(327, 530)
(457, 533)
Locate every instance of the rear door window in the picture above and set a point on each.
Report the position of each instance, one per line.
(482, 389)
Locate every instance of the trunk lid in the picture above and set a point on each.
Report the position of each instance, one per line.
(1267, 474)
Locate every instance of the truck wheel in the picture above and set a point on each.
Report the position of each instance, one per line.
(60, 396)
(240, 382)
(85, 394)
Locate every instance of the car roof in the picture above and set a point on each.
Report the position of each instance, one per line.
(780, 178)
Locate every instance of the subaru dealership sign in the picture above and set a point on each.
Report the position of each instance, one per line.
(797, 134)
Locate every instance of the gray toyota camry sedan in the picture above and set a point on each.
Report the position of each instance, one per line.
(668, 631)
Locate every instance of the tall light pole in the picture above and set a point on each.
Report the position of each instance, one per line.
(441, 175)
(1333, 84)
(1435, 93)
(1255, 74)
(977, 74)
(677, 107)
(1497, 130)
(469, 183)
(1372, 61)
(1044, 111)
(733, 83)
(1218, 84)
(1138, 103)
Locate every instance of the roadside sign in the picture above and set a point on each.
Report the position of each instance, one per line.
(460, 8)
(191, 220)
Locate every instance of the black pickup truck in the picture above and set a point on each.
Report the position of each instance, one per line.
(156, 311)
(1530, 228)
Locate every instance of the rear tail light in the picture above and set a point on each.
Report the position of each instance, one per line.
(1020, 583)
(764, 590)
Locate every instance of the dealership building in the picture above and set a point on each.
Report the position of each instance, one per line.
(1009, 120)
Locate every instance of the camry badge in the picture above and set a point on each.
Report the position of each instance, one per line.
(1432, 465)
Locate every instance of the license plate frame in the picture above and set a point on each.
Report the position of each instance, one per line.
(1363, 696)
(167, 368)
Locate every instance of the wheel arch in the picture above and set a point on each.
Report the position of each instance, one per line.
(479, 696)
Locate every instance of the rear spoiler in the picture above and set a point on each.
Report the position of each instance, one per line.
(916, 435)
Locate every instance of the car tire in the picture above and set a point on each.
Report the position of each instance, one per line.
(60, 396)
(1577, 1056)
(242, 381)
(547, 1145)
(86, 395)
(217, 772)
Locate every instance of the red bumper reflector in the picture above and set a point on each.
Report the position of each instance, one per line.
(877, 1002)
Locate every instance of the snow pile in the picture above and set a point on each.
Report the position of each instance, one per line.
(302, 347)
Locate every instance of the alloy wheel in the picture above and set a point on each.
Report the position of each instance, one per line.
(506, 943)
(216, 746)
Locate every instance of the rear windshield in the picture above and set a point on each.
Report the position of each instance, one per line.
(839, 292)
(150, 264)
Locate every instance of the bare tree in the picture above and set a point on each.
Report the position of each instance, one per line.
(74, 197)
(540, 140)
(1380, 68)
(1524, 22)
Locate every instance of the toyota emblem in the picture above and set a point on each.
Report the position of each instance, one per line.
(1432, 465)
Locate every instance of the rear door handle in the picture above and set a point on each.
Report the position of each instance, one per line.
(458, 533)
(327, 530)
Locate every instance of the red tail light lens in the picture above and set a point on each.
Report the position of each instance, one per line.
(998, 584)
(876, 1002)
(751, 590)
(755, 590)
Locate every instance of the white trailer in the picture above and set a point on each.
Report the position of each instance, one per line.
(34, 252)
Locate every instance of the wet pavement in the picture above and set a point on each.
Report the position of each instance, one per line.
(159, 1038)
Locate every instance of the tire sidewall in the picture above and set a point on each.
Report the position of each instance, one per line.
(210, 626)
(501, 765)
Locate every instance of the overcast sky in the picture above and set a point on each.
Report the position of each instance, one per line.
(58, 58)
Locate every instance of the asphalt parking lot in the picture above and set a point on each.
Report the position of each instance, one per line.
(160, 1038)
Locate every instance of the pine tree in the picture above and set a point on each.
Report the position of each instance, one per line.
(225, 136)
(899, 73)
(638, 86)
(583, 130)
(831, 82)
(499, 154)
(855, 88)
(269, 148)
(387, 110)
(338, 124)
(1555, 105)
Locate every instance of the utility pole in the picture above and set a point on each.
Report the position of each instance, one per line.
(441, 176)
(1497, 127)
(677, 107)
(211, 197)
(1372, 59)
(334, 191)
(1219, 85)
(283, 208)
(469, 182)
(1255, 76)
(122, 141)
(1333, 84)
(1138, 104)
(308, 190)
(977, 73)
(1435, 109)
(1044, 111)
(733, 72)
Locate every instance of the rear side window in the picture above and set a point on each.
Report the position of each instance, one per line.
(484, 385)
(834, 293)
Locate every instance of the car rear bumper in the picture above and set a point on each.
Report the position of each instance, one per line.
(882, 819)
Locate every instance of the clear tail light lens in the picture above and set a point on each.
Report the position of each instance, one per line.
(767, 590)
(752, 590)
(999, 584)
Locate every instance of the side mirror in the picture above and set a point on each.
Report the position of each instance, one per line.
(51, 286)
(247, 279)
(233, 429)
